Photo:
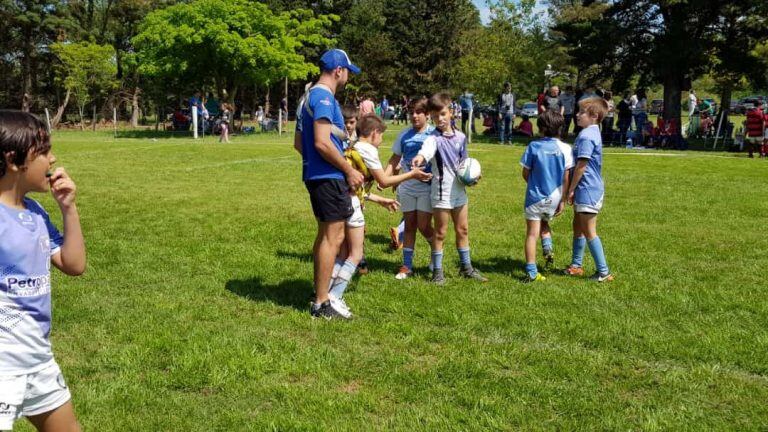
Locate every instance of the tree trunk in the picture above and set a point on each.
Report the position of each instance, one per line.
(135, 108)
(672, 94)
(82, 117)
(725, 104)
(26, 77)
(60, 111)
(266, 103)
(255, 106)
(94, 117)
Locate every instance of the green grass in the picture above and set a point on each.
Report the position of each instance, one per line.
(193, 315)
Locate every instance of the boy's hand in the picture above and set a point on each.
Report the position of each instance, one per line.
(560, 208)
(418, 161)
(570, 197)
(63, 188)
(420, 175)
(390, 204)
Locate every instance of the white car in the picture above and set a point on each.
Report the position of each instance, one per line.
(530, 109)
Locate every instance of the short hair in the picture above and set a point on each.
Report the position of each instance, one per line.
(418, 105)
(594, 106)
(369, 124)
(550, 123)
(22, 134)
(439, 101)
(348, 111)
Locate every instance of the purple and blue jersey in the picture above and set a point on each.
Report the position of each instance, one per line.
(589, 145)
(28, 239)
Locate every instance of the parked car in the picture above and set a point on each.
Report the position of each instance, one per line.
(750, 102)
(736, 107)
(530, 109)
(657, 106)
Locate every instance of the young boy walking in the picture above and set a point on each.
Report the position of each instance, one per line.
(31, 383)
(546, 169)
(586, 190)
(446, 148)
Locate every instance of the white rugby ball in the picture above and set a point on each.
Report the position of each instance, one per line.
(469, 171)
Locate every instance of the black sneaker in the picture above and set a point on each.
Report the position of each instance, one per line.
(326, 311)
(438, 276)
(549, 257)
(472, 273)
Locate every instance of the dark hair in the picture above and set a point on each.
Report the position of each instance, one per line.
(418, 105)
(550, 123)
(369, 124)
(348, 111)
(22, 134)
(439, 101)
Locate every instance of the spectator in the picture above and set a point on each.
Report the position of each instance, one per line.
(525, 128)
(552, 101)
(754, 125)
(692, 102)
(639, 105)
(568, 100)
(506, 105)
(467, 101)
(625, 116)
(609, 117)
(384, 107)
(366, 106)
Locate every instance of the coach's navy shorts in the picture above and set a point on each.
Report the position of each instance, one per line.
(330, 199)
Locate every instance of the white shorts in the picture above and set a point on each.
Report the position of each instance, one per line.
(31, 394)
(451, 195)
(544, 210)
(357, 220)
(414, 201)
(588, 208)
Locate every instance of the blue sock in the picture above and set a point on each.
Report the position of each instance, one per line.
(464, 256)
(546, 243)
(531, 269)
(437, 260)
(579, 244)
(342, 280)
(596, 249)
(408, 258)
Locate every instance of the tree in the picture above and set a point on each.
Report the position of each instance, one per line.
(86, 71)
(228, 44)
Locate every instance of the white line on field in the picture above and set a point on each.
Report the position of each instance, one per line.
(693, 155)
(236, 162)
(126, 149)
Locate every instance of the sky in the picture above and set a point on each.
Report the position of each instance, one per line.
(484, 11)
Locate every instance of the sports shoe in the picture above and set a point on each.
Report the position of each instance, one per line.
(394, 239)
(362, 268)
(403, 273)
(549, 257)
(572, 270)
(326, 311)
(438, 276)
(472, 273)
(539, 278)
(601, 277)
(340, 306)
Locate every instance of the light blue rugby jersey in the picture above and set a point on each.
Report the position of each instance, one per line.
(589, 145)
(546, 162)
(28, 239)
(408, 144)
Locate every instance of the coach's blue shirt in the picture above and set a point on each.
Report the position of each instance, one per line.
(546, 163)
(323, 105)
(589, 145)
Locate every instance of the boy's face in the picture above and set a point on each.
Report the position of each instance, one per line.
(418, 119)
(351, 125)
(583, 119)
(33, 173)
(442, 118)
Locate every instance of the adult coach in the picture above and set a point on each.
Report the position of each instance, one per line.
(326, 174)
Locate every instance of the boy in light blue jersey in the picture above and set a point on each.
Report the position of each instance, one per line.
(31, 383)
(413, 195)
(546, 168)
(446, 148)
(586, 190)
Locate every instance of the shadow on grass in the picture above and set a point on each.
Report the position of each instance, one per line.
(374, 264)
(504, 265)
(295, 293)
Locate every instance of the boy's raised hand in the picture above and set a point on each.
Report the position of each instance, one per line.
(63, 188)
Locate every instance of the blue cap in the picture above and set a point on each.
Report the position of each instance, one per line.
(335, 58)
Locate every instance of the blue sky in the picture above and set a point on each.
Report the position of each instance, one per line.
(484, 11)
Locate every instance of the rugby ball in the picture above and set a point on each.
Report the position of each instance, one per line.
(469, 172)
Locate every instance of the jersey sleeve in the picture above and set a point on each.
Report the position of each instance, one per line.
(56, 239)
(584, 148)
(429, 148)
(526, 161)
(322, 104)
(568, 156)
(397, 147)
(370, 156)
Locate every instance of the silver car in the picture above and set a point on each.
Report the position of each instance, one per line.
(530, 109)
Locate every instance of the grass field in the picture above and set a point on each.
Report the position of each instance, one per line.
(193, 314)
